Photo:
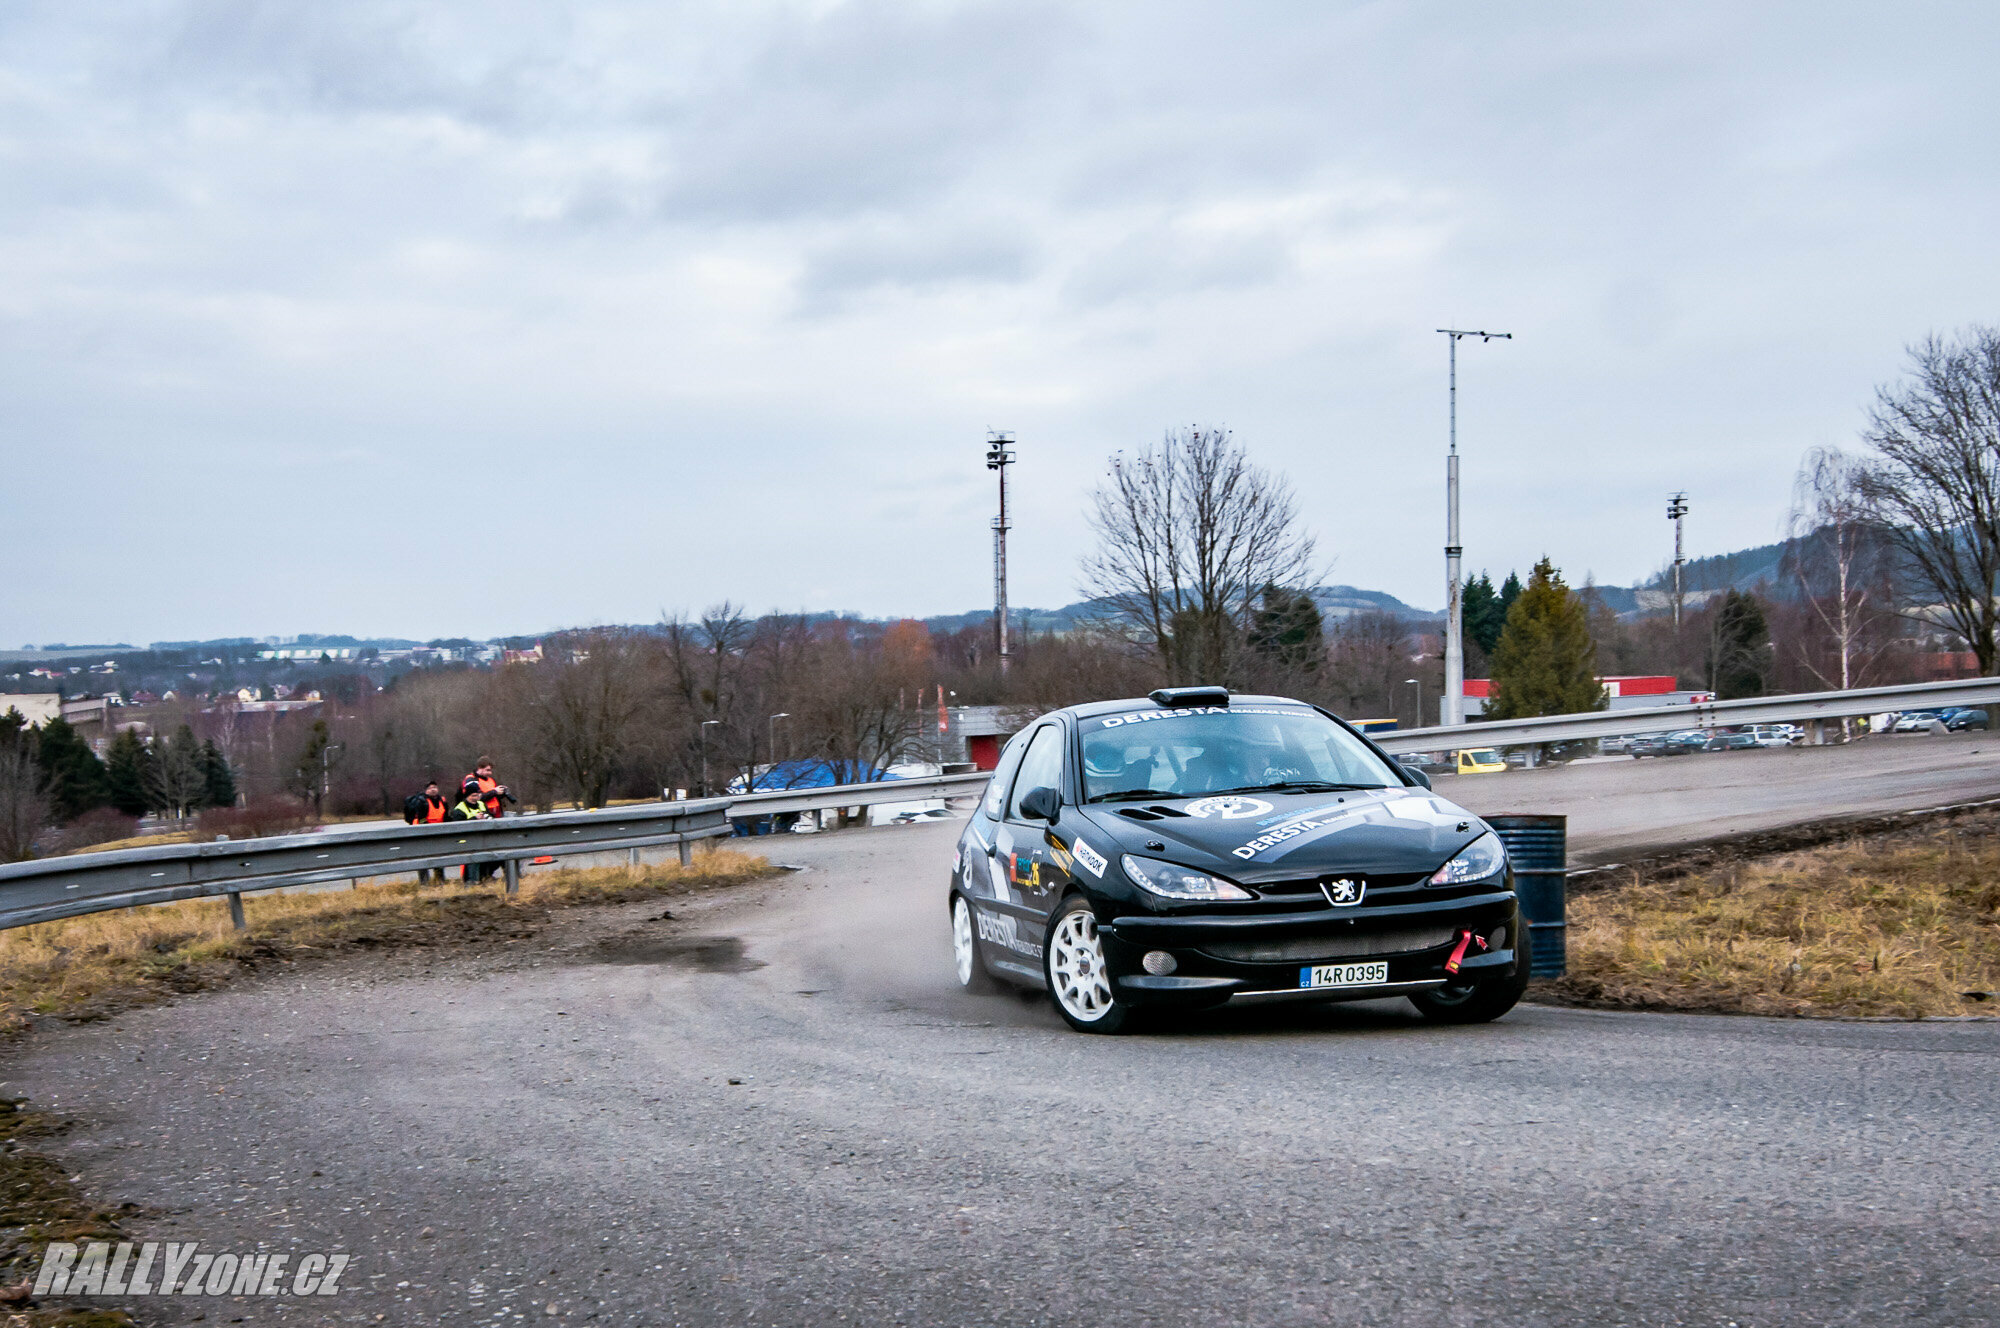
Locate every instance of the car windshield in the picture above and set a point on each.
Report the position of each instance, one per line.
(1203, 750)
(1483, 756)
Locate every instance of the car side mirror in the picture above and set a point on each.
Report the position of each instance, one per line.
(1414, 773)
(1044, 804)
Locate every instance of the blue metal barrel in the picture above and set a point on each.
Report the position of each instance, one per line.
(1539, 849)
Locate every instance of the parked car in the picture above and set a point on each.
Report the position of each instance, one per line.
(1194, 847)
(1692, 740)
(1613, 746)
(927, 814)
(1655, 744)
(1776, 735)
(1958, 721)
(1480, 761)
(1736, 741)
(1915, 721)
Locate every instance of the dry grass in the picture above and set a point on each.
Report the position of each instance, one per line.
(1898, 925)
(90, 966)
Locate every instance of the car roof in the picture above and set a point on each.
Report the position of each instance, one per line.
(1092, 709)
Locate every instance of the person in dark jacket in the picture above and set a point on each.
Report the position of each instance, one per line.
(427, 808)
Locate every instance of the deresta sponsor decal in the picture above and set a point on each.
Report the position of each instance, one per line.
(1142, 716)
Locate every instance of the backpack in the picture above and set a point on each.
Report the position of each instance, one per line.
(413, 808)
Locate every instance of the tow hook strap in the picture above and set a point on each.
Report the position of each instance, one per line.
(1466, 937)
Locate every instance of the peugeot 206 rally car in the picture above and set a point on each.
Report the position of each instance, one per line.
(1196, 847)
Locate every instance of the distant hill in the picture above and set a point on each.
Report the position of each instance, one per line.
(1334, 602)
(1745, 569)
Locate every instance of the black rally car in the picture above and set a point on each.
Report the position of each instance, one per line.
(1197, 847)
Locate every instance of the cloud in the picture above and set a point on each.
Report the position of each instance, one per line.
(672, 274)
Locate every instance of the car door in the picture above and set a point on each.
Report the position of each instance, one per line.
(1026, 850)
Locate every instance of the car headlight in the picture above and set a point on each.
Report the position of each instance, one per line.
(1169, 881)
(1481, 858)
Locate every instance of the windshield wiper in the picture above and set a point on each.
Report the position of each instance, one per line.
(1132, 795)
(1301, 786)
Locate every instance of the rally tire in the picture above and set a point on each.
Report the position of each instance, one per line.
(1073, 964)
(1475, 1002)
(968, 956)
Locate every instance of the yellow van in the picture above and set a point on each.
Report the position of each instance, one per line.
(1479, 761)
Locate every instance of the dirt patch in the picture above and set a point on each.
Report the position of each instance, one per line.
(705, 954)
(38, 1204)
(92, 967)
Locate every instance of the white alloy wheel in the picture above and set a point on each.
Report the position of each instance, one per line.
(1076, 968)
(964, 949)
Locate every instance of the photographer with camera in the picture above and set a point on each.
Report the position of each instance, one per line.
(482, 790)
(491, 791)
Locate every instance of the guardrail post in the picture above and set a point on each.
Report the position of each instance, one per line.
(513, 876)
(236, 911)
(632, 860)
(687, 852)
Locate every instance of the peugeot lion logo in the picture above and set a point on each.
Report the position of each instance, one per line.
(1342, 891)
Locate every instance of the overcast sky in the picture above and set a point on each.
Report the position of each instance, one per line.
(439, 319)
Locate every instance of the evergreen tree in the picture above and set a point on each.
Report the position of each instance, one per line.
(177, 780)
(1545, 662)
(305, 771)
(1287, 629)
(125, 774)
(72, 775)
(1510, 590)
(1739, 648)
(218, 780)
(1483, 612)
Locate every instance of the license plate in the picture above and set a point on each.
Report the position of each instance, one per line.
(1345, 975)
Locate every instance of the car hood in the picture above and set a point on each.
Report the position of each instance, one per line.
(1284, 836)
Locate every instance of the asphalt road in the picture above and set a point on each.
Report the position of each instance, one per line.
(1627, 807)
(776, 1108)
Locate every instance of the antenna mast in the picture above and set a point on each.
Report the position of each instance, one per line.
(999, 456)
(1677, 507)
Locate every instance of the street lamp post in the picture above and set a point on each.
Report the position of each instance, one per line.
(1417, 683)
(1454, 627)
(703, 732)
(782, 714)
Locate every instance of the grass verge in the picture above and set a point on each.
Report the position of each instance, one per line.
(1900, 924)
(90, 967)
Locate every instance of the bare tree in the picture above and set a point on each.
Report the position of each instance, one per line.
(1936, 484)
(585, 698)
(23, 807)
(1189, 535)
(1369, 657)
(1834, 558)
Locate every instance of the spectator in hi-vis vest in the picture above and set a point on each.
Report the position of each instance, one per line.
(471, 806)
(427, 808)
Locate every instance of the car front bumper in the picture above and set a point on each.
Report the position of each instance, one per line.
(1260, 957)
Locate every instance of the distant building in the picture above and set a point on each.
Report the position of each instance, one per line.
(35, 707)
(309, 654)
(1947, 665)
(1625, 692)
(979, 732)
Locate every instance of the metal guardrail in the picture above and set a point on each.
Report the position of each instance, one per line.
(743, 806)
(125, 878)
(1807, 707)
(66, 887)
